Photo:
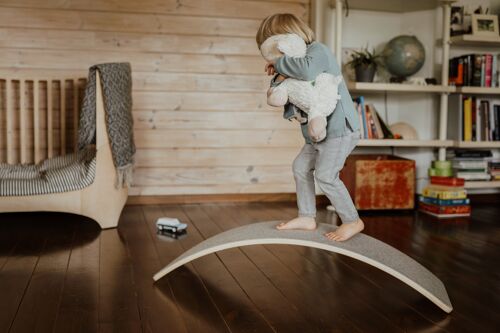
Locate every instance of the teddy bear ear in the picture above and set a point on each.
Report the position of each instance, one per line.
(292, 45)
(269, 49)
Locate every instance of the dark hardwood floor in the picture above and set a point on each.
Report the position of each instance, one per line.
(60, 273)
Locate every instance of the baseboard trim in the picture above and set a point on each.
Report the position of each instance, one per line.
(214, 198)
(492, 198)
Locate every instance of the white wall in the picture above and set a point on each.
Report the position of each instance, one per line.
(420, 110)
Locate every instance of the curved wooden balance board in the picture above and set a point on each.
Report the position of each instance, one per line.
(362, 247)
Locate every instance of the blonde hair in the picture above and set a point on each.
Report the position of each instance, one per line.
(282, 24)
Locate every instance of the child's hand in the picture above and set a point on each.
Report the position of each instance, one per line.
(270, 69)
(280, 78)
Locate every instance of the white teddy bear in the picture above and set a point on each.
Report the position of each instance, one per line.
(317, 98)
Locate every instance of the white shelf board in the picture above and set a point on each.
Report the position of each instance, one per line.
(477, 144)
(478, 90)
(404, 143)
(395, 6)
(483, 184)
(397, 87)
(474, 40)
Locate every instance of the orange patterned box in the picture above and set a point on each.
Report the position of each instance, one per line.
(380, 181)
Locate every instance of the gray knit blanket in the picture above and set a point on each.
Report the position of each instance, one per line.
(116, 82)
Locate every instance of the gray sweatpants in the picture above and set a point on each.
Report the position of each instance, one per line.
(323, 161)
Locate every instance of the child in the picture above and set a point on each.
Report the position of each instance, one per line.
(325, 158)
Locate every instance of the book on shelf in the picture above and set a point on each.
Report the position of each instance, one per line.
(473, 118)
(474, 164)
(467, 154)
(473, 175)
(474, 70)
(372, 125)
(369, 123)
(359, 104)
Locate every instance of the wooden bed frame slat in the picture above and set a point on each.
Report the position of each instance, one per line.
(22, 120)
(36, 120)
(50, 143)
(62, 116)
(10, 122)
(76, 113)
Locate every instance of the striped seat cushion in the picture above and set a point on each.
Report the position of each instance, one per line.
(70, 172)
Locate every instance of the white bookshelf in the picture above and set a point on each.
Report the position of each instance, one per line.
(404, 143)
(397, 87)
(476, 41)
(477, 144)
(478, 90)
(394, 6)
(413, 88)
(443, 90)
(482, 184)
(490, 43)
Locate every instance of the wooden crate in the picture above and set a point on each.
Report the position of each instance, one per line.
(380, 181)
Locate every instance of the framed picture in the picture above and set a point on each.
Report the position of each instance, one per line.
(457, 21)
(485, 25)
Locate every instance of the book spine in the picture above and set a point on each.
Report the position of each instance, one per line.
(368, 122)
(473, 118)
(488, 68)
(494, 69)
(459, 80)
(496, 109)
(497, 58)
(372, 124)
(471, 69)
(466, 70)
(452, 77)
(479, 121)
(468, 119)
(363, 112)
(476, 78)
(444, 194)
(448, 181)
(378, 127)
(458, 209)
(443, 202)
(428, 207)
(483, 66)
(491, 120)
(485, 106)
(358, 109)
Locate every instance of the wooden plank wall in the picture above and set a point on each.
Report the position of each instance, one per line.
(202, 125)
(38, 117)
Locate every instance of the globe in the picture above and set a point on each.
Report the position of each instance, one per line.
(403, 56)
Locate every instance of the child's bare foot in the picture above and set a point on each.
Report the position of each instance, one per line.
(346, 231)
(301, 222)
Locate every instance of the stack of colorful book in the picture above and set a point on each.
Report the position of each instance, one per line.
(445, 197)
(470, 164)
